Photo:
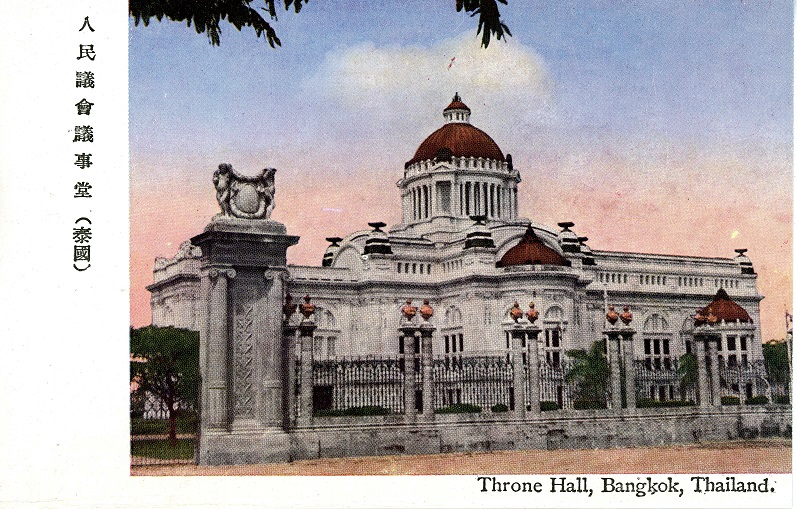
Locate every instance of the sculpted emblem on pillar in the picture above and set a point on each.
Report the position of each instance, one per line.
(244, 197)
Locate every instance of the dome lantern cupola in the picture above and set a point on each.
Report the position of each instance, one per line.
(329, 255)
(378, 241)
(457, 111)
(744, 262)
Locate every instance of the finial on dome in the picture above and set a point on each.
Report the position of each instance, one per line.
(457, 111)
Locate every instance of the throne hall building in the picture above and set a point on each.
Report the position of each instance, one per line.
(462, 245)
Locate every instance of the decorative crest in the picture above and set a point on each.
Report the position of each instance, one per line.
(626, 316)
(612, 316)
(307, 309)
(516, 313)
(409, 310)
(426, 310)
(532, 314)
(289, 308)
(244, 197)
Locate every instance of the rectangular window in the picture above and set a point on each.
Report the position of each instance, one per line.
(647, 347)
(446, 339)
(666, 347)
(731, 342)
(401, 344)
(656, 347)
(460, 343)
(743, 343)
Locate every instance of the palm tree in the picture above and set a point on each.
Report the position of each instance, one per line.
(687, 373)
(591, 371)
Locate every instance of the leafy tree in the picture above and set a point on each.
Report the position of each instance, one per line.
(591, 371)
(206, 16)
(776, 360)
(687, 373)
(165, 364)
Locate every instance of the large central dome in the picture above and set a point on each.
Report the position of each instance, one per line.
(457, 138)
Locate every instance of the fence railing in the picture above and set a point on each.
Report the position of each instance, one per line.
(483, 381)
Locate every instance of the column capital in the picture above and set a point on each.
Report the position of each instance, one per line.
(307, 327)
(228, 273)
(426, 329)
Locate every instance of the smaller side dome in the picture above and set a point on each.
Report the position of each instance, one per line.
(725, 309)
(480, 235)
(329, 255)
(744, 262)
(378, 241)
(531, 251)
(567, 239)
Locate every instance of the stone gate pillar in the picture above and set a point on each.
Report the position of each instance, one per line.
(711, 347)
(408, 330)
(244, 261)
(306, 328)
(426, 330)
(518, 333)
(289, 331)
(533, 373)
(627, 335)
(703, 387)
(614, 352)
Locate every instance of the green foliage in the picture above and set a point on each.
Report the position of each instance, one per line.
(490, 23)
(729, 400)
(499, 407)
(591, 372)
(782, 400)
(206, 15)
(687, 372)
(165, 364)
(459, 408)
(184, 449)
(652, 403)
(588, 404)
(757, 400)
(186, 423)
(547, 406)
(776, 360)
(353, 411)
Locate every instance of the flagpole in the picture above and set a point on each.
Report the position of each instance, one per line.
(789, 334)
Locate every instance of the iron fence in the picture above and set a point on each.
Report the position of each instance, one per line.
(484, 381)
(662, 382)
(357, 382)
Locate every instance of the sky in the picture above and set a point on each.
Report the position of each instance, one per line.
(657, 127)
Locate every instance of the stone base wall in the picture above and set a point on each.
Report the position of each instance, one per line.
(335, 437)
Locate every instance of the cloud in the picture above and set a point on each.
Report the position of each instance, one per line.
(400, 86)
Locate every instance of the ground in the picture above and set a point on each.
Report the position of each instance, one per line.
(751, 456)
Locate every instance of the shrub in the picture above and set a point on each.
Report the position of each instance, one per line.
(588, 404)
(357, 411)
(459, 408)
(499, 407)
(757, 400)
(729, 400)
(652, 403)
(546, 406)
(782, 400)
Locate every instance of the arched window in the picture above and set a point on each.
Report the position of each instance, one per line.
(553, 321)
(325, 338)
(656, 336)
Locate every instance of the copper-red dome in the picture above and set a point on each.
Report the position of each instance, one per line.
(725, 309)
(462, 140)
(456, 104)
(531, 251)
